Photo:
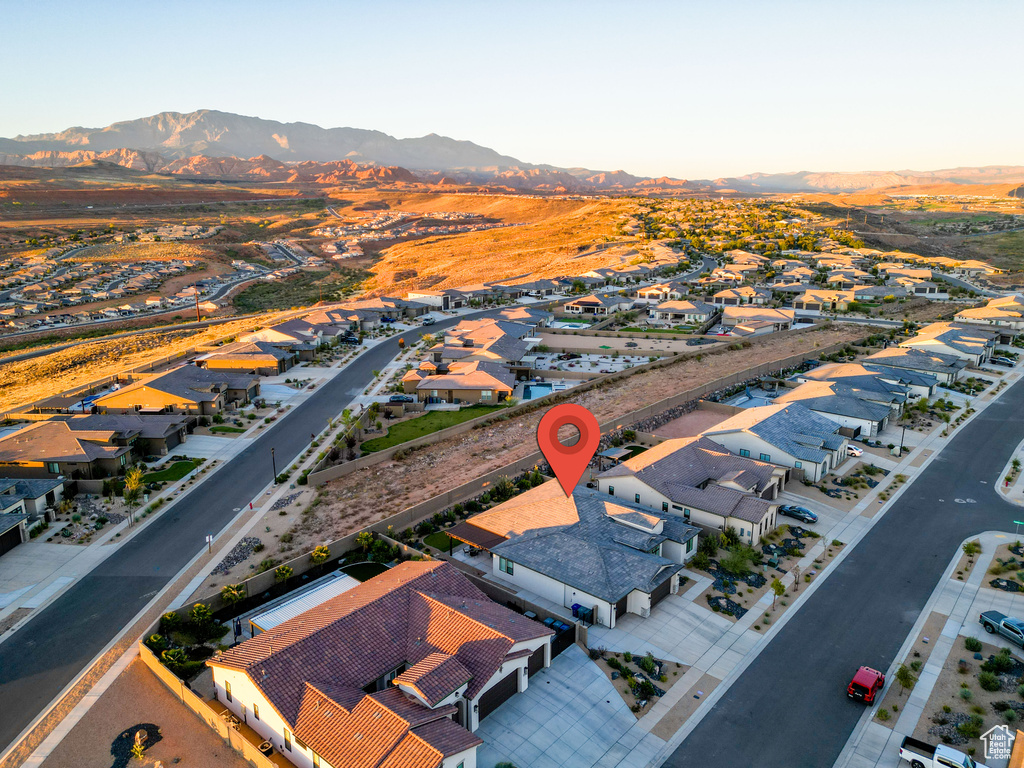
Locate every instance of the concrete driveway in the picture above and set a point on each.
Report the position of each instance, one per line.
(570, 717)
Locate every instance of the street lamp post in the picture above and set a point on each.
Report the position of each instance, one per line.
(1018, 523)
(273, 462)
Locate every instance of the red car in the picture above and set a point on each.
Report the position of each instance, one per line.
(865, 684)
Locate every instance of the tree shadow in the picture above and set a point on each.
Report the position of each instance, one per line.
(121, 748)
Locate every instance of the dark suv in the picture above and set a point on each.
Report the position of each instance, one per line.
(802, 514)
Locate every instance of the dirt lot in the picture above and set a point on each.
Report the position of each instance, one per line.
(352, 502)
(599, 344)
(24, 381)
(137, 697)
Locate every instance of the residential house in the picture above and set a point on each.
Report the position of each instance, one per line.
(686, 312)
(945, 368)
(150, 434)
(744, 294)
(463, 382)
(790, 435)
(700, 480)
(188, 389)
(587, 550)
(262, 358)
(51, 449)
(910, 383)
(968, 342)
(398, 671)
(863, 410)
(597, 305)
(444, 300)
(529, 316)
(1006, 313)
(486, 340)
(30, 496)
(779, 319)
(662, 292)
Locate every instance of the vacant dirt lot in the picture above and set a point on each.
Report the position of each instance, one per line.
(352, 502)
(25, 381)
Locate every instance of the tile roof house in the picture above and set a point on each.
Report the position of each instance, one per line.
(790, 435)
(398, 671)
(743, 294)
(32, 496)
(258, 357)
(150, 434)
(780, 319)
(968, 342)
(588, 550)
(188, 389)
(691, 312)
(1002, 312)
(49, 449)
(463, 382)
(866, 376)
(702, 481)
(864, 407)
(486, 340)
(946, 368)
(597, 305)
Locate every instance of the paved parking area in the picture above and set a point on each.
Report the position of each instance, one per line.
(570, 717)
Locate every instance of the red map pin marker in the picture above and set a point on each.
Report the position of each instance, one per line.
(568, 461)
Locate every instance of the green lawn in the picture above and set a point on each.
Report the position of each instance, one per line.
(438, 540)
(364, 571)
(176, 471)
(635, 450)
(222, 428)
(425, 425)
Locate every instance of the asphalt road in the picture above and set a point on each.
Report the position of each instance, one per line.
(40, 659)
(789, 707)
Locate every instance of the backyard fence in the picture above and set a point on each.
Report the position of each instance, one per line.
(249, 751)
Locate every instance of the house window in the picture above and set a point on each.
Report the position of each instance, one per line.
(227, 690)
(505, 565)
(433, 393)
(316, 760)
(611, 490)
(53, 468)
(686, 514)
(744, 452)
(256, 711)
(636, 497)
(689, 546)
(664, 506)
(743, 531)
(287, 739)
(798, 464)
(676, 506)
(766, 457)
(485, 394)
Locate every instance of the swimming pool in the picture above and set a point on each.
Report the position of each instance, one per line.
(533, 391)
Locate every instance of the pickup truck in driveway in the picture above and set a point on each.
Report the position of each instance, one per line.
(1011, 629)
(922, 755)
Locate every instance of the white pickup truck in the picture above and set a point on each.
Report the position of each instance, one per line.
(922, 755)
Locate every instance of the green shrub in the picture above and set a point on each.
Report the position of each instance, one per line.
(966, 694)
(972, 644)
(1000, 662)
(883, 715)
(988, 681)
(972, 728)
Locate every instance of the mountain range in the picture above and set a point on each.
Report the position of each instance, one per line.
(208, 143)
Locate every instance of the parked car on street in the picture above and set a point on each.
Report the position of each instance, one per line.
(995, 622)
(401, 399)
(802, 514)
(923, 755)
(999, 360)
(429, 320)
(865, 685)
(853, 450)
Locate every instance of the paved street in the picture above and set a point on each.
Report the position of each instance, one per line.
(789, 707)
(40, 659)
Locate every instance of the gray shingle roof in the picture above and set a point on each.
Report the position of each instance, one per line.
(576, 540)
(836, 398)
(791, 427)
(917, 359)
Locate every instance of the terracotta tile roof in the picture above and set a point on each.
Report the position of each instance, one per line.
(413, 752)
(447, 737)
(435, 677)
(312, 668)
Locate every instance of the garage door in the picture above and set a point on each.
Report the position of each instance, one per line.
(10, 539)
(536, 661)
(499, 694)
(660, 592)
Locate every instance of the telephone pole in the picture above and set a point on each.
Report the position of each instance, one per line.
(195, 288)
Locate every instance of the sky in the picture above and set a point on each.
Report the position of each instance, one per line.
(685, 89)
